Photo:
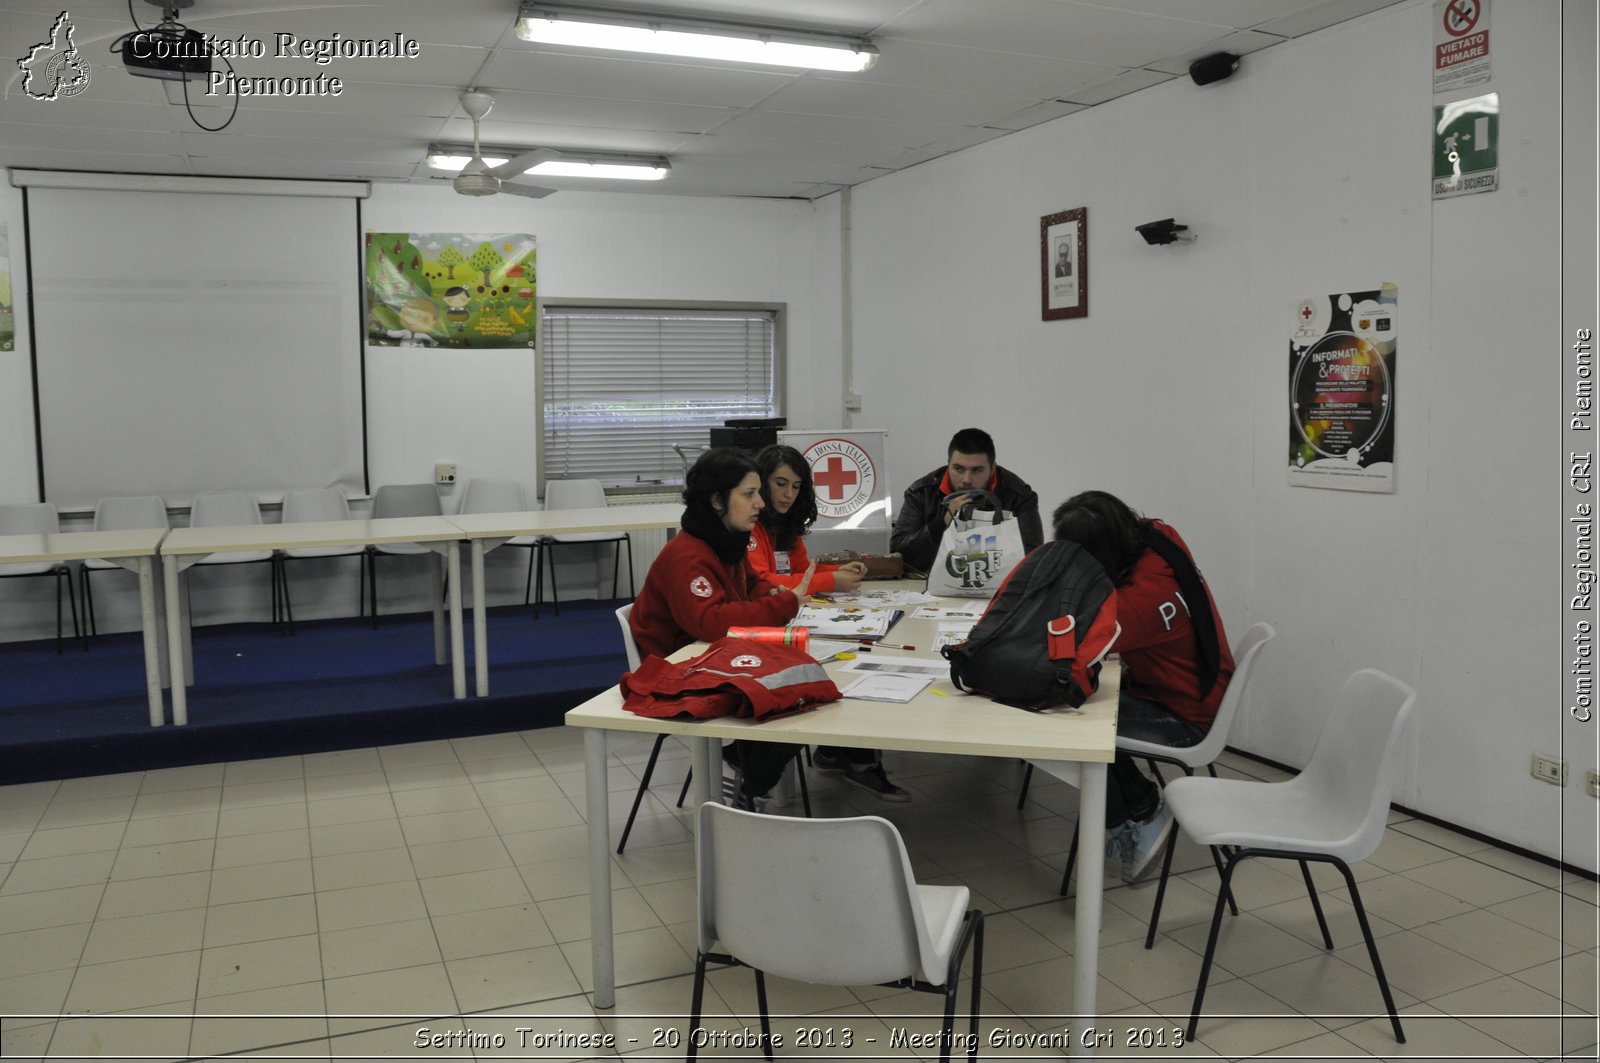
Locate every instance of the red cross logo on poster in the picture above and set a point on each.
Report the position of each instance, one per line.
(843, 475)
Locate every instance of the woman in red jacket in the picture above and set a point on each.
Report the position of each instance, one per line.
(1175, 658)
(701, 583)
(778, 555)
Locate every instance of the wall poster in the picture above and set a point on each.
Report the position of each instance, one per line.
(450, 289)
(1341, 390)
(1460, 44)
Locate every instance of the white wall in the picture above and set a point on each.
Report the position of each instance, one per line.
(1304, 175)
(476, 408)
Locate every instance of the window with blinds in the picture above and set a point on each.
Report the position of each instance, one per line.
(622, 386)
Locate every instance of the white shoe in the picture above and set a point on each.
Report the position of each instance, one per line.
(1144, 842)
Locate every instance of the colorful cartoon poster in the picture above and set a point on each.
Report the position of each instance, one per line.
(8, 321)
(1341, 390)
(450, 289)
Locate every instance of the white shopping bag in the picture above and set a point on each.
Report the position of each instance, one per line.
(976, 552)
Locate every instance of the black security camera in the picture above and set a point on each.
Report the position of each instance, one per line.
(1164, 231)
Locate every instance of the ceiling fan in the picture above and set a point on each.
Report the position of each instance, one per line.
(478, 178)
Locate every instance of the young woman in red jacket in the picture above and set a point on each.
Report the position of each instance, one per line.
(1175, 658)
(778, 555)
(701, 584)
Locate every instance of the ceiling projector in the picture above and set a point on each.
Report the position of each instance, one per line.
(170, 52)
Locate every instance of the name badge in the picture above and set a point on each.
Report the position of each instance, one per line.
(780, 559)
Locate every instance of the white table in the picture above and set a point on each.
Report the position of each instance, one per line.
(133, 549)
(486, 531)
(1075, 747)
(183, 547)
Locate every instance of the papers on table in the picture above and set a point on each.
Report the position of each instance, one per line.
(886, 686)
(968, 612)
(845, 621)
(887, 665)
(951, 632)
(881, 599)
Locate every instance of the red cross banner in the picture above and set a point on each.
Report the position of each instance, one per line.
(848, 475)
(1460, 44)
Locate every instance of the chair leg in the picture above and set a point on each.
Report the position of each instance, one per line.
(1211, 944)
(533, 559)
(1027, 778)
(805, 792)
(696, 999)
(1372, 946)
(629, 539)
(88, 603)
(555, 592)
(1072, 858)
(766, 1019)
(683, 791)
(1161, 889)
(1316, 906)
(59, 573)
(1217, 853)
(616, 569)
(644, 784)
(977, 985)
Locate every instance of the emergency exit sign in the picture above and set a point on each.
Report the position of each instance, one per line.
(1466, 134)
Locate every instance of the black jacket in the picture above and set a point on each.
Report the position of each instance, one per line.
(920, 525)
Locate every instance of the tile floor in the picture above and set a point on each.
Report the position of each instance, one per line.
(428, 901)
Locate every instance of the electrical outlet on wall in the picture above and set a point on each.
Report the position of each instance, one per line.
(1551, 769)
(444, 473)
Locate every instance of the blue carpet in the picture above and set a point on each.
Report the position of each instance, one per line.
(336, 684)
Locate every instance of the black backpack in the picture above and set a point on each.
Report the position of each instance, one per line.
(1040, 642)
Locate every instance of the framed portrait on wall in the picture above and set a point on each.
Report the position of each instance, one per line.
(1064, 264)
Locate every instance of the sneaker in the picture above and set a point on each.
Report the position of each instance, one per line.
(826, 760)
(871, 778)
(1119, 847)
(1145, 842)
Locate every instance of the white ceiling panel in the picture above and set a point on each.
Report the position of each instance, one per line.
(1088, 33)
(951, 73)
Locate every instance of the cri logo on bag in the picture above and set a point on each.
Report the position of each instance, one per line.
(978, 564)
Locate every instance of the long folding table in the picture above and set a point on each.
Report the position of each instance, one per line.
(485, 531)
(183, 547)
(1074, 746)
(133, 549)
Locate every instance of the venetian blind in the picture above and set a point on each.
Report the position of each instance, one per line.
(622, 385)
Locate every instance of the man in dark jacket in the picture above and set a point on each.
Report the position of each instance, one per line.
(924, 514)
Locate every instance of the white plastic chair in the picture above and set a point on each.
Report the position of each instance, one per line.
(224, 510)
(1204, 753)
(503, 496)
(829, 902)
(39, 518)
(1334, 811)
(579, 494)
(303, 507)
(125, 513)
(398, 500)
(631, 649)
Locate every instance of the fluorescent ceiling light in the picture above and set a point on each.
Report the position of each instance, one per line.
(638, 32)
(572, 164)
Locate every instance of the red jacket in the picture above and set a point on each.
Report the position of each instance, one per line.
(1157, 644)
(786, 570)
(691, 595)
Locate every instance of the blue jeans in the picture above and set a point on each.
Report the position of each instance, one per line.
(1130, 794)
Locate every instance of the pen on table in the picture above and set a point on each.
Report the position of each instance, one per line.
(884, 645)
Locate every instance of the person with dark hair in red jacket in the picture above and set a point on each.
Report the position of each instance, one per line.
(1175, 658)
(701, 584)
